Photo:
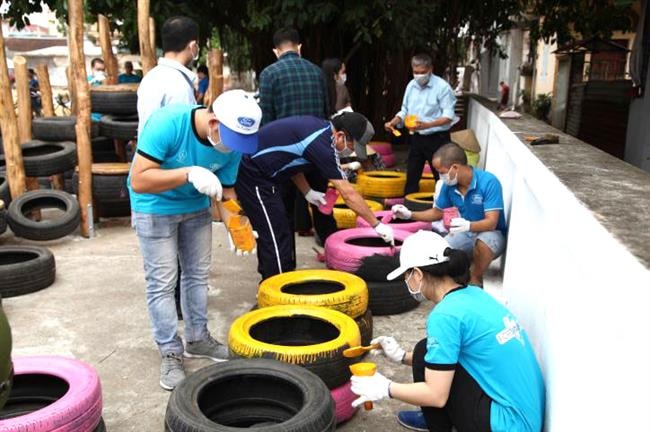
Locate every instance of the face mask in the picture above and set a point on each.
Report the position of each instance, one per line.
(422, 79)
(342, 78)
(346, 152)
(417, 295)
(448, 181)
(218, 146)
(196, 56)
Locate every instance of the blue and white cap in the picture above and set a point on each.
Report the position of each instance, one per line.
(239, 118)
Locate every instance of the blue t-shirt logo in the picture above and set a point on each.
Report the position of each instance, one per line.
(182, 155)
(511, 331)
(477, 199)
(246, 121)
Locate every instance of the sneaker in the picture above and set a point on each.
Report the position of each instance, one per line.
(207, 348)
(413, 420)
(171, 371)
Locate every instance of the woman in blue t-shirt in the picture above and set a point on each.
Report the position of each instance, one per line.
(476, 369)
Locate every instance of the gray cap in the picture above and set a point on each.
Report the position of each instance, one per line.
(358, 127)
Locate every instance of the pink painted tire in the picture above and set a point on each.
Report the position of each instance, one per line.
(74, 386)
(401, 224)
(389, 160)
(343, 398)
(345, 249)
(426, 169)
(381, 147)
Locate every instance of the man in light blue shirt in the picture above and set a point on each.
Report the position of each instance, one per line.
(431, 100)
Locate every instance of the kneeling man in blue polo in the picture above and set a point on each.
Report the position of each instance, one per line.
(481, 229)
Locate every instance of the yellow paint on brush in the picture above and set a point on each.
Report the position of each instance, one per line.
(352, 300)
(243, 344)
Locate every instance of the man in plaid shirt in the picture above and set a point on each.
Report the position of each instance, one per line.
(292, 85)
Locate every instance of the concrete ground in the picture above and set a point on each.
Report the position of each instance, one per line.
(95, 311)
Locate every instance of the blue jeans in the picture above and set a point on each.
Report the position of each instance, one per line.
(163, 241)
(465, 241)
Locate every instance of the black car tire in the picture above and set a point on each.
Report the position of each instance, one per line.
(123, 127)
(48, 229)
(25, 269)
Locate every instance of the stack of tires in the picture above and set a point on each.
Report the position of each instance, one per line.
(346, 217)
(385, 149)
(53, 394)
(313, 337)
(110, 191)
(118, 105)
(385, 187)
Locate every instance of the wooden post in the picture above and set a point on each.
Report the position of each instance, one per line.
(72, 90)
(24, 101)
(152, 35)
(215, 68)
(46, 90)
(82, 128)
(12, 151)
(107, 50)
(146, 56)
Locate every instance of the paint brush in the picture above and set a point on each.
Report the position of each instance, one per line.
(358, 350)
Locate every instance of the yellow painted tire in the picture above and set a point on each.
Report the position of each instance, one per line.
(382, 184)
(427, 183)
(346, 218)
(332, 289)
(419, 201)
(286, 333)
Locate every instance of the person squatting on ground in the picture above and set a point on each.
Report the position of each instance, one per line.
(476, 369)
(287, 149)
(432, 100)
(185, 155)
(481, 229)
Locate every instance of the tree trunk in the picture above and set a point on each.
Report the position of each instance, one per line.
(215, 65)
(24, 101)
(45, 89)
(82, 128)
(107, 50)
(12, 151)
(72, 90)
(152, 35)
(146, 55)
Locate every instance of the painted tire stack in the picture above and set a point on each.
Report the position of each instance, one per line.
(331, 289)
(419, 201)
(400, 224)
(385, 187)
(385, 149)
(346, 217)
(345, 249)
(427, 183)
(54, 393)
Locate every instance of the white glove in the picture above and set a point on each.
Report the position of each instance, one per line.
(459, 225)
(401, 212)
(369, 388)
(316, 198)
(390, 347)
(386, 233)
(205, 182)
(353, 166)
(240, 252)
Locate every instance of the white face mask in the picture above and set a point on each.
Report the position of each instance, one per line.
(196, 56)
(218, 146)
(422, 79)
(342, 78)
(346, 152)
(417, 295)
(448, 181)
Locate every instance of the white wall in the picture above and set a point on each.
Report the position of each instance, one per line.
(582, 297)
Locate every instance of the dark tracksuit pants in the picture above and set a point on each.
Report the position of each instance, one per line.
(468, 406)
(421, 150)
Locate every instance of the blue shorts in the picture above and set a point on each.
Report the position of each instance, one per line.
(465, 241)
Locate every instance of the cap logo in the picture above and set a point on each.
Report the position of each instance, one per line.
(246, 121)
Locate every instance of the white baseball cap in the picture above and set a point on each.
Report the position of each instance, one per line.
(421, 249)
(239, 118)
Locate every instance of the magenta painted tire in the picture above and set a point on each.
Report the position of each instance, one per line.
(343, 398)
(389, 160)
(401, 224)
(426, 169)
(73, 385)
(390, 202)
(345, 249)
(381, 147)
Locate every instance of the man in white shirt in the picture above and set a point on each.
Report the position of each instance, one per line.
(171, 82)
